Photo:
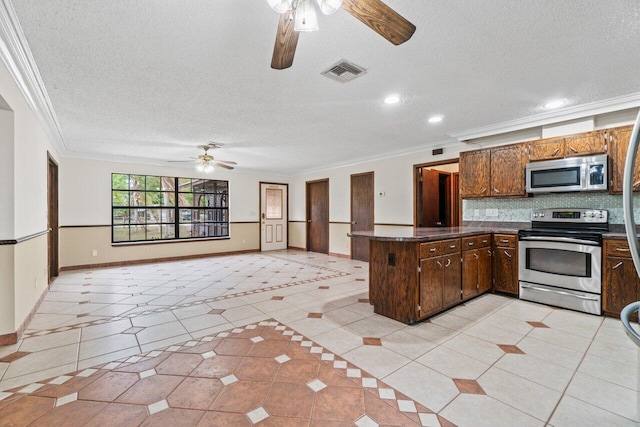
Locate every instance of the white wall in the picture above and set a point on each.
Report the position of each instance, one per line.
(6, 176)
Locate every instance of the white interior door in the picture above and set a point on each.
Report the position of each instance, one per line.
(273, 216)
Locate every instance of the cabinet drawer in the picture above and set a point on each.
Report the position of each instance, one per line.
(476, 242)
(619, 248)
(431, 249)
(483, 241)
(505, 240)
(450, 246)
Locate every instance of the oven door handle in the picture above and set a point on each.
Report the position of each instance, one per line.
(560, 239)
(535, 288)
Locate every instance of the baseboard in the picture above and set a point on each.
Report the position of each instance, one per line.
(154, 260)
(345, 256)
(295, 248)
(12, 338)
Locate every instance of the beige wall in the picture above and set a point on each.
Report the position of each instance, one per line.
(339, 242)
(298, 235)
(31, 276)
(77, 245)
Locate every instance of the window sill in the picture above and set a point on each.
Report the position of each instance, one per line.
(160, 241)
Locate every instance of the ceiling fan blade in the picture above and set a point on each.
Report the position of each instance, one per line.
(222, 165)
(381, 19)
(179, 161)
(286, 41)
(229, 162)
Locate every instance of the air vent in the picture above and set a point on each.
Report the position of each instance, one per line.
(344, 71)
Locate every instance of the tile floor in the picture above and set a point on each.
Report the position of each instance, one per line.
(227, 340)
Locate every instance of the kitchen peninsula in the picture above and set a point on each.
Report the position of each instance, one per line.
(415, 273)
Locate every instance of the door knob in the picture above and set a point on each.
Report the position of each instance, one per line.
(354, 222)
(309, 221)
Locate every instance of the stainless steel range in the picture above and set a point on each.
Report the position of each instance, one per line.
(560, 258)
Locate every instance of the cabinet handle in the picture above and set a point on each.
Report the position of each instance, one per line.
(448, 262)
(504, 240)
(573, 149)
(470, 243)
(635, 184)
(496, 190)
(556, 151)
(432, 249)
(507, 254)
(439, 264)
(484, 241)
(452, 246)
(476, 256)
(484, 189)
(622, 249)
(617, 265)
(490, 254)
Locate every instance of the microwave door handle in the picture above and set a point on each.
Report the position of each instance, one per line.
(559, 239)
(536, 288)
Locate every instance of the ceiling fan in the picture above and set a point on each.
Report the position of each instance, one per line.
(300, 15)
(205, 161)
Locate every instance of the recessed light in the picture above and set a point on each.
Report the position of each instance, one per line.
(392, 99)
(435, 119)
(554, 104)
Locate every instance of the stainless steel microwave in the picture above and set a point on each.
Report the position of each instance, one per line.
(570, 174)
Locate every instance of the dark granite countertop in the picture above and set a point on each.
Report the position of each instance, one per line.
(428, 234)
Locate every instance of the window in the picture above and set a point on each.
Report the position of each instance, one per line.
(147, 208)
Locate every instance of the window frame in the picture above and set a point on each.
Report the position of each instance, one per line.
(210, 216)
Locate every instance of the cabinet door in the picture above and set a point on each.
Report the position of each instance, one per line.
(586, 143)
(620, 286)
(507, 170)
(618, 154)
(475, 173)
(484, 269)
(452, 273)
(431, 285)
(506, 270)
(546, 149)
(470, 273)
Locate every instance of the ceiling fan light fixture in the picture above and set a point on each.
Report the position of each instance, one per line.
(306, 18)
(280, 6)
(204, 166)
(329, 7)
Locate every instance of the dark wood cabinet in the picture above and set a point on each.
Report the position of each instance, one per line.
(620, 282)
(619, 140)
(475, 173)
(439, 276)
(497, 172)
(587, 143)
(546, 149)
(476, 265)
(505, 274)
(508, 171)
(452, 275)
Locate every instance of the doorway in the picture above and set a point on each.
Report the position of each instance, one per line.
(52, 217)
(437, 194)
(362, 208)
(318, 216)
(273, 216)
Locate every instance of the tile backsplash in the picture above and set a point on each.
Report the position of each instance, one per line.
(519, 209)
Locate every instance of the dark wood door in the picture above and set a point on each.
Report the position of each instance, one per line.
(430, 198)
(362, 208)
(475, 167)
(470, 273)
(318, 216)
(52, 218)
(506, 270)
(431, 285)
(621, 284)
(508, 171)
(452, 273)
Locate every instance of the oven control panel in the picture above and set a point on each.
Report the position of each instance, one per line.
(600, 216)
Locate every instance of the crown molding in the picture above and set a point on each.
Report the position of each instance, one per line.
(570, 113)
(17, 57)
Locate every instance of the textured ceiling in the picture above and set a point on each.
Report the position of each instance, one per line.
(152, 79)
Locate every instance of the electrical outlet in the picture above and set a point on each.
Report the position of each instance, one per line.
(492, 212)
(94, 252)
(476, 212)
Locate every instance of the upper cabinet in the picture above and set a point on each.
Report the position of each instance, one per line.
(546, 149)
(507, 170)
(619, 140)
(475, 177)
(497, 172)
(582, 144)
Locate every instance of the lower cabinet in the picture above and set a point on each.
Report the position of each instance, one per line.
(505, 274)
(620, 281)
(439, 277)
(476, 265)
